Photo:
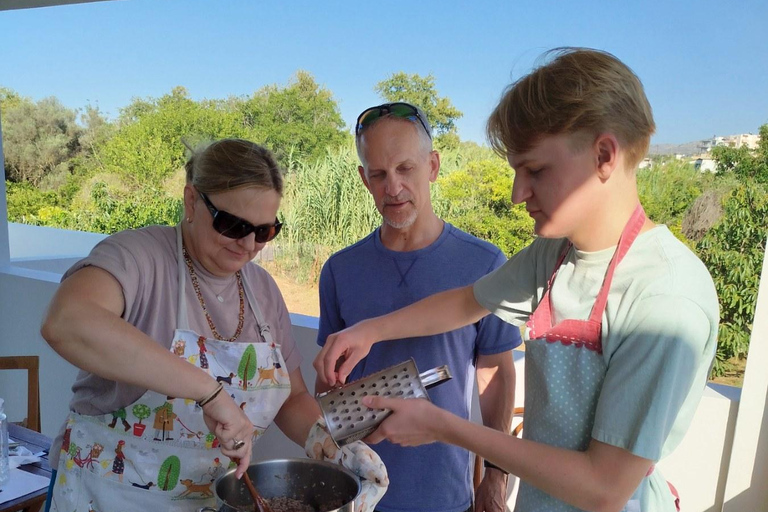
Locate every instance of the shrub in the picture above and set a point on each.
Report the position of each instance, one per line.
(25, 202)
(733, 252)
(669, 189)
(477, 199)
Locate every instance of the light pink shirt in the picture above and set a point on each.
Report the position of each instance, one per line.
(144, 262)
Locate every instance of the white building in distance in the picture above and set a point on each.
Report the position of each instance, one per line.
(749, 140)
(704, 163)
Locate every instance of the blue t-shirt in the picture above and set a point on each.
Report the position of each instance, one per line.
(367, 280)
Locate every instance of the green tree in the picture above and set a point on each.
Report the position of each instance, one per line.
(421, 91)
(96, 128)
(734, 248)
(141, 412)
(300, 121)
(733, 252)
(139, 107)
(168, 474)
(147, 145)
(477, 198)
(10, 99)
(38, 138)
(246, 370)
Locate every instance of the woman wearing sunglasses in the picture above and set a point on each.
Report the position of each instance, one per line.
(179, 333)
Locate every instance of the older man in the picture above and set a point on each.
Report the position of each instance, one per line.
(412, 255)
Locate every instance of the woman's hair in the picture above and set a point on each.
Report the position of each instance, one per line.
(580, 91)
(230, 164)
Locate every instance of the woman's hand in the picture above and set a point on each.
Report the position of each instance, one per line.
(230, 424)
(356, 457)
(341, 352)
(413, 422)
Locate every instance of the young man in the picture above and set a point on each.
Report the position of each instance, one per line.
(412, 255)
(621, 316)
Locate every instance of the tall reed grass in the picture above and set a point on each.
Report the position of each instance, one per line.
(326, 207)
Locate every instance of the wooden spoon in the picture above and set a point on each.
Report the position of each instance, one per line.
(260, 504)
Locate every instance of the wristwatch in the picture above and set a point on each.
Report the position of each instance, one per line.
(489, 464)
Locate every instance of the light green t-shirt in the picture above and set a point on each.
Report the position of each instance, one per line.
(659, 331)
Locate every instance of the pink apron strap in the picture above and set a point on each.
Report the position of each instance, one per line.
(628, 236)
(672, 488)
(675, 494)
(560, 261)
(543, 313)
(542, 316)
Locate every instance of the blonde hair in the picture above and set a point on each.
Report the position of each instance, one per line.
(229, 164)
(580, 91)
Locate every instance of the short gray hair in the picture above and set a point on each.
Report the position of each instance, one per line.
(426, 140)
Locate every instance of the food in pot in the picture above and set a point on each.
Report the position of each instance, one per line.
(281, 504)
(291, 485)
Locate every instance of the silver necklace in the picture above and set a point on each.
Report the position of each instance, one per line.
(226, 287)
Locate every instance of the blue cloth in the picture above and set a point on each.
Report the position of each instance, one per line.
(367, 280)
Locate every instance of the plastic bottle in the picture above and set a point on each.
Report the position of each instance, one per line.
(5, 471)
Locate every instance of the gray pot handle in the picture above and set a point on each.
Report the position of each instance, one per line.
(207, 509)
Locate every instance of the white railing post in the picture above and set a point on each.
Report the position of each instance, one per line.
(747, 482)
(5, 248)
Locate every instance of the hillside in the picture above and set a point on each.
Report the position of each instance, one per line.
(688, 148)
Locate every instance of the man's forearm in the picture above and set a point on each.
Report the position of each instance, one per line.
(496, 389)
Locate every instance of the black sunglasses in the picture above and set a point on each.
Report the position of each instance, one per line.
(233, 226)
(399, 109)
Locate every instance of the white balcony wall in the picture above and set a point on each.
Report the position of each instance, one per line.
(24, 295)
(699, 468)
(38, 257)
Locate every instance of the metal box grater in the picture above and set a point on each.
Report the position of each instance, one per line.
(349, 420)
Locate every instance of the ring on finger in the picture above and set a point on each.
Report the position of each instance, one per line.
(237, 444)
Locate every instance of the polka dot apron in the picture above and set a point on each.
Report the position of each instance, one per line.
(157, 453)
(564, 373)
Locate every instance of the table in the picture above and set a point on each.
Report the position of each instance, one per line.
(35, 442)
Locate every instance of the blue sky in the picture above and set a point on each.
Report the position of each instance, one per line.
(704, 63)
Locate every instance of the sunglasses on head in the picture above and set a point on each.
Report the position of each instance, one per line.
(399, 109)
(233, 226)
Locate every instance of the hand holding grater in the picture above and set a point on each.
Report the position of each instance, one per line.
(349, 420)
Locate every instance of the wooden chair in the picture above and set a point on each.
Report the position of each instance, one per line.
(32, 365)
(477, 477)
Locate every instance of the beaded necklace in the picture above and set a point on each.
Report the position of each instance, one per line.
(196, 286)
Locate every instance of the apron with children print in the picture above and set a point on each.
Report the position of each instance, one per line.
(564, 373)
(157, 453)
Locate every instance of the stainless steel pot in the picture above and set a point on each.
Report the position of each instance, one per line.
(325, 486)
